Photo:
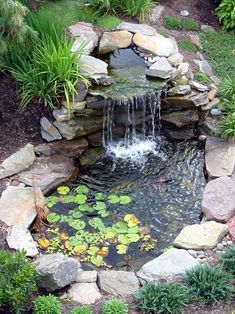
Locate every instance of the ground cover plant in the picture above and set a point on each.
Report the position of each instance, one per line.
(202, 77)
(187, 45)
(226, 14)
(47, 305)
(167, 298)
(186, 24)
(82, 310)
(228, 260)
(115, 306)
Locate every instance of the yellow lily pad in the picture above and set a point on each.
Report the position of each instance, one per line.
(80, 249)
(131, 220)
(103, 251)
(44, 242)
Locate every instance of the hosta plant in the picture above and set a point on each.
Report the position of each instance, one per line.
(226, 14)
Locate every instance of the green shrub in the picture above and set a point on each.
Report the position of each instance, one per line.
(203, 78)
(81, 310)
(208, 285)
(226, 14)
(168, 298)
(189, 25)
(228, 257)
(171, 22)
(46, 305)
(115, 306)
(187, 45)
(17, 280)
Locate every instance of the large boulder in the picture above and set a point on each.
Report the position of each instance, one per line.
(87, 276)
(161, 69)
(56, 270)
(201, 236)
(48, 173)
(84, 293)
(93, 66)
(17, 205)
(111, 41)
(118, 282)
(157, 44)
(137, 28)
(17, 162)
(173, 262)
(220, 157)
(218, 201)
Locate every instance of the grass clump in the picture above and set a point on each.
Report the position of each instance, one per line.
(209, 285)
(189, 25)
(17, 280)
(115, 306)
(187, 45)
(203, 78)
(186, 24)
(171, 22)
(228, 259)
(169, 298)
(82, 310)
(46, 305)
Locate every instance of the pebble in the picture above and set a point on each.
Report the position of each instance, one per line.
(215, 112)
(184, 13)
(220, 246)
(202, 138)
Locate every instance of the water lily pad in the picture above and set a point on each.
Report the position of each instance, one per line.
(63, 190)
(77, 224)
(103, 251)
(131, 220)
(133, 230)
(43, 242)
(124, 199)
(82, 189)
(79, 249)
(99, 206)
(100, 196)
(120, 227)
(77, 215)
(121, 248)
(80, 199)
(52, 200)
(69, 199)
(53, 217)
(113, 199)
(97, 260)
(104, 213)
(96, 223)
(73, 241)
(92, 238)
(92, 250)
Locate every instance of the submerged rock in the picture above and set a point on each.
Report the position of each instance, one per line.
(111, 41)
(171, 263)
(84, 293)
(161, 69)
(137, 28)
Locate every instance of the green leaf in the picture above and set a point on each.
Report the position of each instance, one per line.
(77, 224)
(100, 196)
(77, 215)
(128, 238)
(92, 238)
(85, 208)
(51, 201)
(120, 227)
(99, 206)
(96, 223)
(73, 241)
(97, 260)
(63, 190)
(93, 250)
(124, 199)
(80, 199)
(113, 199)
(121, 248)
(53, 217)
(82, 189)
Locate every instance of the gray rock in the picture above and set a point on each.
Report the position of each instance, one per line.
(81, 89)
(201, 236)
(93, 66)
(84, 293)
(215, 80)
(47, 173)
(207, 28)
(19, 238)
(173, 262)
(61, 114)
(91, 156)
(219, 157)
(211, 104)
(184, 13)
(88, 41)
(161, 69)
(111, 41)
(95, 139)
(156, 14)
(18, 161)
(180, 133)
(118, 282)
(181, 118)
(74, 107)
(204, 67)
(137, 28)
(48, 131)
(216, 112)
(80, 28)
(176, 59)
(179, 90)
(210, 125)
(17, 205)
(86, 276)
(56, 270)
(200, 99)
(95, 102)
(198, 86)
(218, 201)
(183, 68)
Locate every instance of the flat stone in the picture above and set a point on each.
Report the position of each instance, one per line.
(198, 86)
(204, 66)
(61, 114)
(111, 41)
(183, 68)
(200, 99)
(73, 148)
(17, 205)
(48, 131)
(86, 276)
(93, 66)
(19, 238)
(18, 161)
(211, 125)
(137, 28)
(173, 262)
(196, 40)
(181, 118)
(211, 104)
(215, 80)
(74, 107)
(156, 14)
(179, 90)
(84, 293)
(183, 133)
(176, 59)
(118, 282)
(207, 28)
(88, 41)
(157, 44)
(213, 93)
(47, 173)
(219, 157)
(201, 236)
(80, 28)
(177, 102)
(56, 270)
(161, 69)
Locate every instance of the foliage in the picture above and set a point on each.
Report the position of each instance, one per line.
(207, 284)
(226, 14)
(46, 305)
(115, 306)
(162, 298)
(17, 280)
(186, 24)
(187, 45)
(202, 77)
(171, 22)
(228, 260)
(189, 25)
(81, 310)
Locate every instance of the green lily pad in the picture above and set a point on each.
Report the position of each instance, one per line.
(104, 213)
(77, 215)
(113, 199)
(82, 189)
(96, 223)
(53, 217)
(63, 190)
(124, 199)
(100, 196)
(80, 199)
(133, 229)
(85, 208)
(92, 238)
(121, 248)
(77, 224)
(73, 241)
(120, 227)
(92, 250)
(69, 199)
(51, 201)
(97, 260)
(99, 206)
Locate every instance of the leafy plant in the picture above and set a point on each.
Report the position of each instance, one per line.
(162, 298)
(81, 310)
(187, 45)
(207, 284)
(202, 77)
(189, 25)
(115, 306)
(46, 305)
(103, 6)
(17, 280)
(171, 22)
(228, 260)
(226, 14)
(136, 7)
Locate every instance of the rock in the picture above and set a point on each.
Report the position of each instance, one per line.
(181, 118)
(137, 28)
(157, 44)
(91, 156)
(105, 81)
(95, 67)
(179, 90)
(47, 173)
(219, 157)
(204, 67)
(173, 262)
(88, 41)
(201, 236)
(213, 103)
(120, 283)
(74, 107)
(210, 126)
(218, 201)
(231, 226)
(183, 68)
(176, 59)
(198, 86)
(184, 13)
(82, 91)
(220, 247)
(80, 28)
(86, 276)
(95, 139)
(84, 293)
(183, 133)
(161, 69)
(111, 41)
(61, 114)
(73, 148)
(18, 161)
(56, 270)
(216, 112)
(19, 238)
(215, 80)
(200, 99)
(207, 28)
(156, 14)
(177, 102)
(95, 102)
(212, 93)
(17, 205)
(196, 40)
(48, 131)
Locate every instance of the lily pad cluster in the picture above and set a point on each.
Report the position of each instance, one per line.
(91, 225)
